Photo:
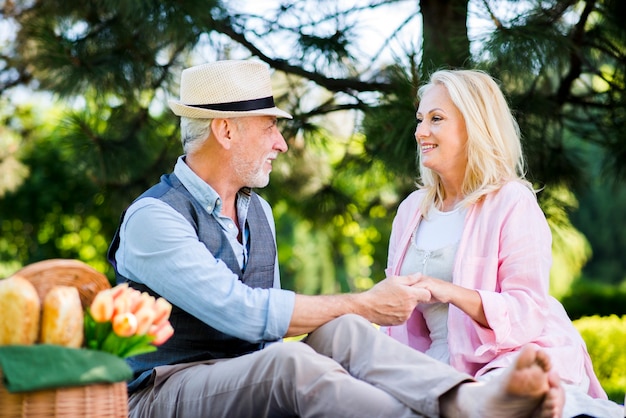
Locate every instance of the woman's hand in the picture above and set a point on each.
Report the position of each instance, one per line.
(392, 300)
(439, 290)
(467, 300)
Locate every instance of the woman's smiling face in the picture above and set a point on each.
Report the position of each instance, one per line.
(441, 134)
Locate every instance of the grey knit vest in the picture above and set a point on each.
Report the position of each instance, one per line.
(193, 340)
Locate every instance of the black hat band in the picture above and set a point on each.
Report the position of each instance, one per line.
(240, 106)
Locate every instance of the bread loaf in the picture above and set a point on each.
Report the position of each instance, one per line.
(62, 317)
(20, 310)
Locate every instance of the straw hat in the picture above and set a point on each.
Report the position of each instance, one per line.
(226, 89)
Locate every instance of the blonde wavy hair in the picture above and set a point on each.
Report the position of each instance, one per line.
(494, 149)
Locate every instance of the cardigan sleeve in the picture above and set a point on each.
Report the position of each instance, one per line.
(402, 227)
(507, 259)
(414, 331)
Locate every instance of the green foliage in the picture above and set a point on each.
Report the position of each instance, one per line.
(586, 298)
(54, 211)
(332, 231)
(570, 249)
(67, 173)
(600, 217)
(606, 338)
(12, 169)
(76, 45)
(391, 142)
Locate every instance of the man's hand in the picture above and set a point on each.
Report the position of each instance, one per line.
(391, 301)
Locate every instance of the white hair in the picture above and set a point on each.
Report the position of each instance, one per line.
(193, 133)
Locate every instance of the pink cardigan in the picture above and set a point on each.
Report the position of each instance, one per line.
(505, 254)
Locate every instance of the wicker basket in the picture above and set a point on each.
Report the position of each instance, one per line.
(48, 273)
(100, 400)
(91, 401)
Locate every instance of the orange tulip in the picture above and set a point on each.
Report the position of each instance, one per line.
(144, 301)
(102, 306)
(145, 318)
(125, 324)
(129, 312)
(163, 309)
(123, 301)
(161, 332)
(119, 289)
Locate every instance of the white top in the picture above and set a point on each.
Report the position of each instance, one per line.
(440, 229)
(432, 252)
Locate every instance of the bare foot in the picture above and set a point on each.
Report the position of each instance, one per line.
(552, 405)
(516, 394)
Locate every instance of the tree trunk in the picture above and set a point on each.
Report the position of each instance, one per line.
(445, 41)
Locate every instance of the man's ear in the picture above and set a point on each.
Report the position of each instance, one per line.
(222, 130)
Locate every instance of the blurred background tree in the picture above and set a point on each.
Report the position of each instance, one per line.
(86, 128)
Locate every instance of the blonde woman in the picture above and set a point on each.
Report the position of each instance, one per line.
(475, 235)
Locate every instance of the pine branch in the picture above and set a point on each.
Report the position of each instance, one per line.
(497, 22)
(347, 85)
(577, 35)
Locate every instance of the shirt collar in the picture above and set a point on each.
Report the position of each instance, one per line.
(205, 194)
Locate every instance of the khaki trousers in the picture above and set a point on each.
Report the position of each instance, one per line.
(345, 368)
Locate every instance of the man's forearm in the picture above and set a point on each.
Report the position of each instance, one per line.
(311, 312)
(389, 302)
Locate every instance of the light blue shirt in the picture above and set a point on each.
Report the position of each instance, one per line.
(159, 248)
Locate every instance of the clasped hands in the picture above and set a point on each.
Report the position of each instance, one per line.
(393, 299)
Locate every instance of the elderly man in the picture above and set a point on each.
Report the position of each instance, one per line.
(202, 239)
